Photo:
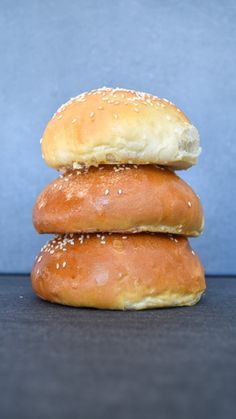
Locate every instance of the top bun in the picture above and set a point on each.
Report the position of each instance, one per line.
(119, 126)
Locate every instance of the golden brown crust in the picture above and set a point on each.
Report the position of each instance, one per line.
(119, 199)
(109, 126)
(119, 272)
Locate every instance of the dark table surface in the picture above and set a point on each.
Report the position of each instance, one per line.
(60, 362)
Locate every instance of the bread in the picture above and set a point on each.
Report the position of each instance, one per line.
(119, 199)
(110, 126)
(119, 272)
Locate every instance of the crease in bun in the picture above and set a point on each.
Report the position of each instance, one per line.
(165, 299)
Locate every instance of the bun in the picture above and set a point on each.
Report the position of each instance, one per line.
(110, 126)
(119, 199)
(119, 272)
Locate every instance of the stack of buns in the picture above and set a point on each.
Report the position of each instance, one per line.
(120, 213)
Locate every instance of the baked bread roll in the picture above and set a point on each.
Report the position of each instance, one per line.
(119, 272)
(119, 199)
(118, 126)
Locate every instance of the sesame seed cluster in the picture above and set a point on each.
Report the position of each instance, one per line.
(59, 249)
(108, 96)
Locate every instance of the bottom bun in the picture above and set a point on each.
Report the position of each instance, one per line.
(132, 272)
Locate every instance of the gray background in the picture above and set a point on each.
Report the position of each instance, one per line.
(52, 50)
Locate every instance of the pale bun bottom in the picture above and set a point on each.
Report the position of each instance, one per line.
(118, 272)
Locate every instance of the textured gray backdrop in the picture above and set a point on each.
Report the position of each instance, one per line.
(52, 50)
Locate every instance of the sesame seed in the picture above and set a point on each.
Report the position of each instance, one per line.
(77, 166)
(102, 242)
(115, 116)
(189, 204)
(124, 237)
(57, 266)
(193, 253)
(106, 192)
(51, 252)
(40, 140)
(92, 114)
(74, 120)
(100, 107)
(64, 264)
(59, 117)
(136, 110)
(120, 191)
(40, 258)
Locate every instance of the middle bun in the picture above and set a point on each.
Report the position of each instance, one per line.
(119, 199)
